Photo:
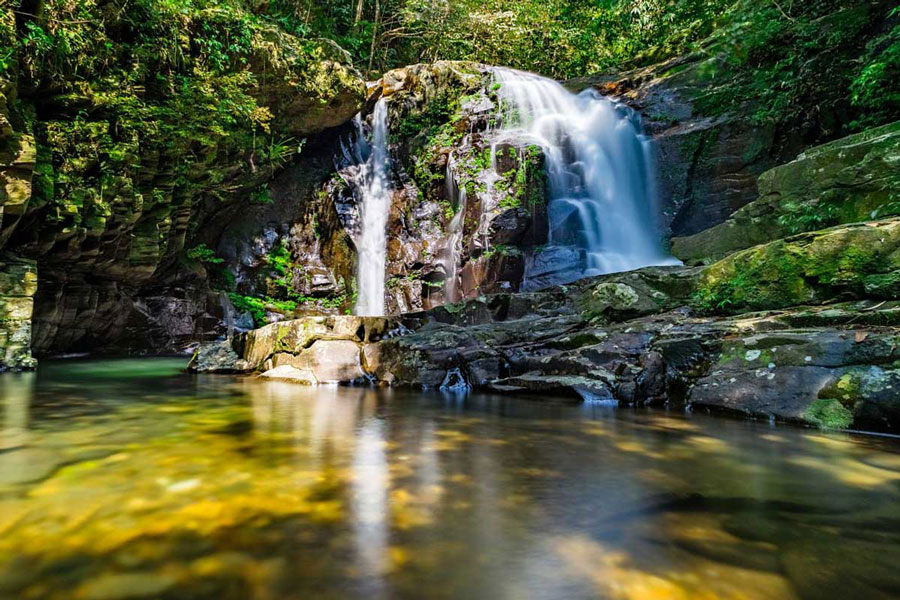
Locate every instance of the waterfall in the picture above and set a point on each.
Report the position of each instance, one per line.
(457, 197)
(602, 200)
(375, 206)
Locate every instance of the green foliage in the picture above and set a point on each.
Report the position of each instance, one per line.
(875, 90)
(205, 255)
(248, 304)
(279, 151)
(258, 307)
(280, 261)
(804, 62)
(261, 195)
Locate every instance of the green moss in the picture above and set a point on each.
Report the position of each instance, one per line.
(855, 261)
(203, 254)
(828, 414)
(248, 304)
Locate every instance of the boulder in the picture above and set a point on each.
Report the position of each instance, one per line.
(291, 374)
(218, 357)
(335, 361)
(311, 350)
(844, 262)
(849, 180)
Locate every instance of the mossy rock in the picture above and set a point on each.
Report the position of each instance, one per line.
(829, 413)
(846, 181)
(846, 262)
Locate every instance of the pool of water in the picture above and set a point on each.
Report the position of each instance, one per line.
(129, 479)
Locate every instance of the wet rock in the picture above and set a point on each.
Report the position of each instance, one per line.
(219, 357)
(291, 374)
(826, 378)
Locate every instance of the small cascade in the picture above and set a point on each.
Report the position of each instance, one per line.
(228, 313)
(375, 206)
(457, 197)
(602, 200)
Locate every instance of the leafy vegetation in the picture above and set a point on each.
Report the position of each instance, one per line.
(205, 255)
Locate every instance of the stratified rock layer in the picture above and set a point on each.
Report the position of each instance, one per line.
(630, 339)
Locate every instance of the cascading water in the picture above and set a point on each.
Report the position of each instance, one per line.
(375, 206)
(457, 197)
(602, 196)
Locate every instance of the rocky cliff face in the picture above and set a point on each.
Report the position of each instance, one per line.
(108, 166)
(804, 327)
(708, 158)
(440, 122)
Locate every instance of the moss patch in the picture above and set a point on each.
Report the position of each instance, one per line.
(828, 414)
(855, 261)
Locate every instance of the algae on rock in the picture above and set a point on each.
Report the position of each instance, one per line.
(849, 180)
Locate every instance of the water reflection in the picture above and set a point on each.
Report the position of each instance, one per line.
(128, 479)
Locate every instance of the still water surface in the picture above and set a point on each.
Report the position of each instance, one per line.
(129, 479)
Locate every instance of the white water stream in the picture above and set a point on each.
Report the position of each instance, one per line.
(457, 197)
(602, 201)
(602, 197)
(375, 207)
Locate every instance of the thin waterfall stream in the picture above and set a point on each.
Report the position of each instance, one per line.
(375, 206)
(457, 197)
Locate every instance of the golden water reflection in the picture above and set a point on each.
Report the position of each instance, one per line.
(127, 479)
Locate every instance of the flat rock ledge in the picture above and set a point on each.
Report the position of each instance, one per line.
(310, 351)
(630, 339)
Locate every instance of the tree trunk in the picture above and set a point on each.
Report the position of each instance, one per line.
(374, 33)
